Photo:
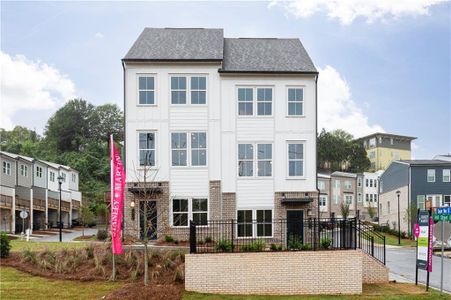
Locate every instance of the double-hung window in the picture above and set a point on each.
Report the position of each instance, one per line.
(74, 177)
(39, 172)
(431, 175)
(146, 148)
(179, 148)
(348, 185)
(247, 162)
(62, 174)
(321, 185)
(264, 223)
(244, 223)
(323, 202)
(23, 170)
(446, 175)
(251, 97)
(421, 201)
(6, 168)
(200, 211)
(447, 200)
(349, 199)
(192, 87)
(178, 90)
(295, 159)
(295, 101)
(198, 149)
(367, 197)
(52, 176)
(146, 90)
(180, 212)
(193, 150)
(198, 90)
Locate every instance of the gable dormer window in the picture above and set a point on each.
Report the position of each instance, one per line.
(146, 90)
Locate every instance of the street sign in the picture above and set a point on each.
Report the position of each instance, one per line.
(423, 240)
(416, 231)
(23, 214)
(438, 217)
(443, 210)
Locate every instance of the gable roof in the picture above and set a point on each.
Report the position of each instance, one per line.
(343, 174)
(389, 135)
(177, 44)
(266, 55)
(425, 162)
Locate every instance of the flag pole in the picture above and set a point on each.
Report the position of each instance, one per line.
(113, 275)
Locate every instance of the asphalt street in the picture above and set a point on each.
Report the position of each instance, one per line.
(401, 262)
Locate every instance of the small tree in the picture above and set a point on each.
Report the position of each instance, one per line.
(344, 208)
(86, 217)
(409, 215)
(371, 212)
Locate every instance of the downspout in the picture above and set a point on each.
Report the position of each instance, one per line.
(316, 142)
(409, 217)
(124, 162)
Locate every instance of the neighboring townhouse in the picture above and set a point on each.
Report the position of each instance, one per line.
(446, 157)
(225, 128)
(32, 184)
(420, 183)
(343, 191)
(8, 180)
(383, 148)
(368, 194)
(324, 187)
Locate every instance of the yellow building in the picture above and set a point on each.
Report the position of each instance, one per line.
(383, 148)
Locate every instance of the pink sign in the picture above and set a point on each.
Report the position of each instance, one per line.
(117, 199)
(431, 236)
(416, 231)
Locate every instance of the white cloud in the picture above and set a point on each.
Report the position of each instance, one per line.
(337, 109)
(346, 11)
(99, 35)
(30, 85)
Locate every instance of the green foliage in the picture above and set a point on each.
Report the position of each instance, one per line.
(372, 212)
(344, 209)
(294, 243)
(102, 235)
(208, 239)
(168, 239)
(275, 247)
(224, 245)
(86, 216)
(4, 245)
(254, 246)
(338, 151)
(326, 243)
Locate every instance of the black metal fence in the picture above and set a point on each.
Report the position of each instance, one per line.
(286, 235)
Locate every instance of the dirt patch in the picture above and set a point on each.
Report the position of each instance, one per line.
(178, 244)
(152, 291)
(85, 238)
(45, 232)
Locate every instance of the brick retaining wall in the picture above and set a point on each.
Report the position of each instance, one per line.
(373, 270)
(275, 273)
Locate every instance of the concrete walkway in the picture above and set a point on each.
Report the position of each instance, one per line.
(67, 237)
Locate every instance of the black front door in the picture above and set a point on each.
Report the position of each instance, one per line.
(151, 219)
(295, 225)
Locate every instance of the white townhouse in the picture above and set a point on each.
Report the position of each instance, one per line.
(225, 127)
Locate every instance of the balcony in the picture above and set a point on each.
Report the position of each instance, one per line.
(6, 201)
(22, 203)
(39, 204)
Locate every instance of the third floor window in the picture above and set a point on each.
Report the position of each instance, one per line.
(255, 101)
(146, 87)
(185, 89)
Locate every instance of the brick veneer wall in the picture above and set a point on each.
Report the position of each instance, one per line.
(271, 273)
(228, 206)
(373, 270)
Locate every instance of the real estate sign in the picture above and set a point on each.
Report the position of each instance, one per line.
(423, 240)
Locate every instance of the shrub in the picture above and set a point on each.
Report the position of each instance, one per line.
(168, 239)
(253, 246)
(89, 251)
(4, 245)
(208, 239)
(306, 247)
(29, 256)
(102, 235)
(275, 247)
(223, 245)
(179, 274)
(326, 243)
(294, 243)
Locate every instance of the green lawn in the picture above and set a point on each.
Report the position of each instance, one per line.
(18, 285)
(20, 245)
(398, 291)
(393, 241)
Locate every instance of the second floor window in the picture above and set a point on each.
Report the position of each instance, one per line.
(295, 159)
(321, 185)
(23, 170)
(348, 184)
(38, 172)
(146, 87)
(446, 175)
(6, 168)
(146, 149)
(431, 175)
(180, 146)
(255, 101)
(52, 176)
(74, 177)
(295, 101)
(246, 161)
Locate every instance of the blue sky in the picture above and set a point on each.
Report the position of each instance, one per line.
(390, 73)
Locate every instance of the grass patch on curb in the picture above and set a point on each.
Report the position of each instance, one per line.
(20, 245)
(392, 240)
(18, 285)
(389, 291)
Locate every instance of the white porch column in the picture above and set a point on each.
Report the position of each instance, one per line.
(46, 208)
(31, 211)
(70, 212)
(13, 213)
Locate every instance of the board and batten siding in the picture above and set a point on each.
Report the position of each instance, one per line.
(40, 181)
(25, 181)
(420, 186)
(8, 180)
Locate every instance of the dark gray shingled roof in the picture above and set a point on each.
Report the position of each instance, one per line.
(266, 55)
(426, 162)
(168, 44)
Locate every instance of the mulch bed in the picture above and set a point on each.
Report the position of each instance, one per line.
(152, 291)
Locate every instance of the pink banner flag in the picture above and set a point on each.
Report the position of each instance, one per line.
(117, 199)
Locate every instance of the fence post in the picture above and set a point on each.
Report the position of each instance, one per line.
(314, 234)
(384, 249)
(232, 235)
(355, 233)
(192, 237)
(372, 246)
(343, 234)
